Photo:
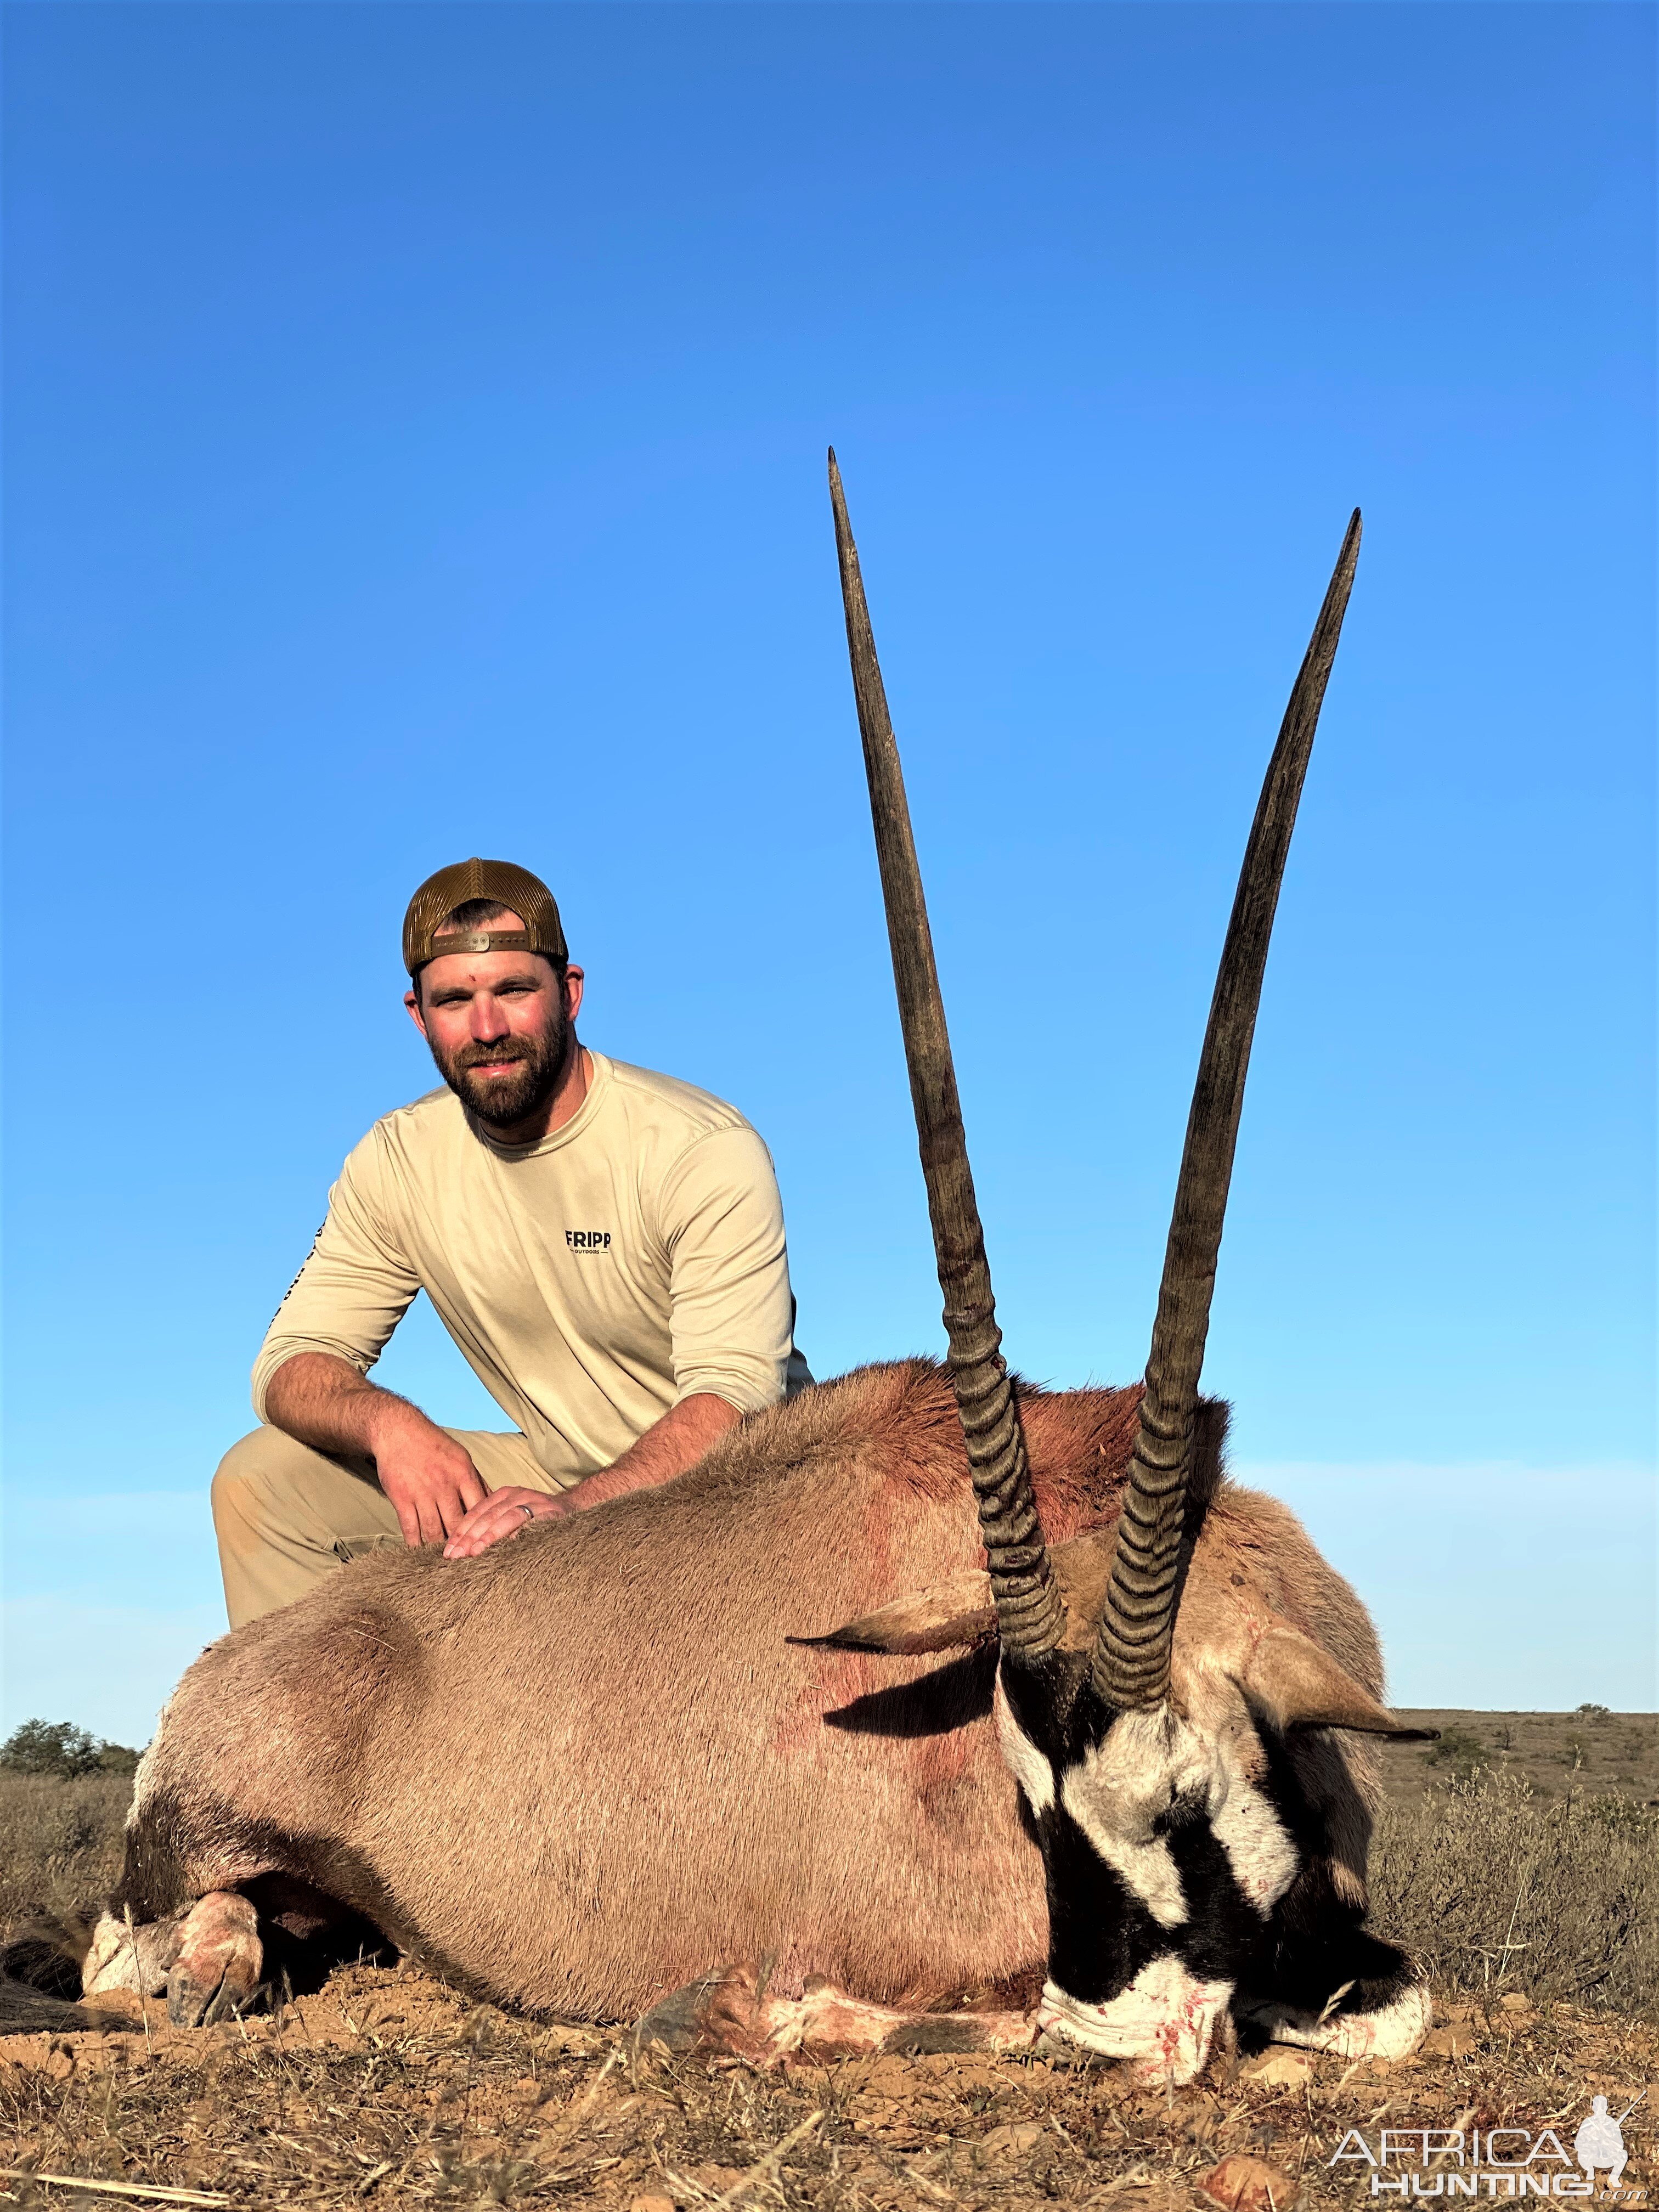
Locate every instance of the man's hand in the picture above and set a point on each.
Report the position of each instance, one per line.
(507, 1512)
(434, 1487)
(678, 1441)
(430, 1478)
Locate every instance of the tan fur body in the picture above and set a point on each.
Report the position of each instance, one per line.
(587, 1767)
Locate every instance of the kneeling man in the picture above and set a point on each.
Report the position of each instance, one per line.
(604, 1245)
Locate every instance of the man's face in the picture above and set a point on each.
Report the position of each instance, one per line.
(498, 1026)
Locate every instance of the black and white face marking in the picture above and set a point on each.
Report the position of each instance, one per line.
(1165, 1861)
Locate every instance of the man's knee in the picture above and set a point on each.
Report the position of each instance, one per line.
(250, 1472)
(270, 1487)
(284, 1516)
(239, 1475)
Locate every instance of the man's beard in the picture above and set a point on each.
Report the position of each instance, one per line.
(504, 1100)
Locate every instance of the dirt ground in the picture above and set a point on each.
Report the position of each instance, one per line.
(387, 2087)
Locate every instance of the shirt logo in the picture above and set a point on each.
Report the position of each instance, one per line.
(588, 1240)
(304, 1264)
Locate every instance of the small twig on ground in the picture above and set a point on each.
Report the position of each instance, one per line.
(936, 2190)
(561, 2134)
(114, 2188)
(1509, 1946)
(138, 1979)
(767, 2165)
(1456, 2129)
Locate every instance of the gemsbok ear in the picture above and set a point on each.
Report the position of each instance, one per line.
(1299, 1686)
(951, 1615)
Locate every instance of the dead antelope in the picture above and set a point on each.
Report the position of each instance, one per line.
(1107, 1749)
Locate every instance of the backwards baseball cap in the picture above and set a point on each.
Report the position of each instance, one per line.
(513, 887)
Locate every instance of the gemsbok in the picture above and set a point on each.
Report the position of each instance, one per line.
(1094, 1769)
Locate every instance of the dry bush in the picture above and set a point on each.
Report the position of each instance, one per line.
(1494, 1887)
(60, 1842)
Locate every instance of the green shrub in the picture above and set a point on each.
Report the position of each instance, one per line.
(60, 1749)
(1459, 1750)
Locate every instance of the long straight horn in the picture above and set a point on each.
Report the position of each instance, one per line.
(1029, 1611)
(1131, 1664)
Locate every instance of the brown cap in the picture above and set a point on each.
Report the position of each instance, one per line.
(510, 886)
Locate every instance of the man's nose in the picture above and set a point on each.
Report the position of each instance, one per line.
(489, 1018)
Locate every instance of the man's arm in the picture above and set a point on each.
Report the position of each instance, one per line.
(430, 1479)
(310, 1379)
(668, 1447)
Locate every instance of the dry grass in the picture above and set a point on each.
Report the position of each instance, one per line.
(1535, 1919)
(387, 2089)
(1496, 1889)
(60, 1842)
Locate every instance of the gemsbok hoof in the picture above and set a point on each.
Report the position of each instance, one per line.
(678, 2020)
(124, 1955)
(216, 1972)
(725, 2012)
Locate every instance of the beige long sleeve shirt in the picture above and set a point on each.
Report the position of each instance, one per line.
(634, 1258)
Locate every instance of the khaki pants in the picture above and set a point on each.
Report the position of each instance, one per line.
(286, 1516)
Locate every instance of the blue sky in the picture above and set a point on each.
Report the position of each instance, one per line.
(415, 421)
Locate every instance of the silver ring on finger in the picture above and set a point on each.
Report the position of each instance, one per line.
(528, 1511)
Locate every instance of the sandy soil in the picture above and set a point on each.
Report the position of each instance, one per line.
(387, 2087)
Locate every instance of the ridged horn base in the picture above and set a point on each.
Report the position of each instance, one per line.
(1131, 1663)
(1030, 1615)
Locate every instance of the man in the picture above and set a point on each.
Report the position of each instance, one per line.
(604, 1245)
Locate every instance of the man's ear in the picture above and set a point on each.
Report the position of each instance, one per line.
(412, 1001)
(1298, 1684)
(951, 1615)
